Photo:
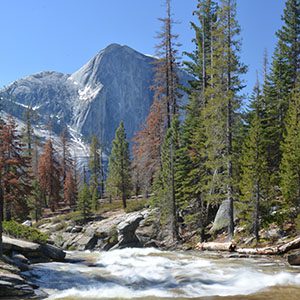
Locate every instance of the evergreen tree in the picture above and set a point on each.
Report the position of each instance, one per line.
(84, 201)
(280, 82)
(200, 58)
(36, 200)
(290, 165)
(96, 166)
(168, 185)
(192, 170)
(119, 177)
(254, 167)
(220, 113)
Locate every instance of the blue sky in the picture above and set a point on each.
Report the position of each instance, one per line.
(62, 35)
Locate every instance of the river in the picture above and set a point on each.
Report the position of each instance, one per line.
(154, 274)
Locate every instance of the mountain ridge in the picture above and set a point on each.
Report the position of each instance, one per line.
(113, 85)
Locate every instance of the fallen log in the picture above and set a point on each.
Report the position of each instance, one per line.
(258, 251)
(231, 247)
(294, 244)
(213, 246)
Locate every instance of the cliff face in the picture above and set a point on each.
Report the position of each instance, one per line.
(113, 86)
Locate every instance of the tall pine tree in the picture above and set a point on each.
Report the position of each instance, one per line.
(119, 183)
(290, 165)
(254, 167)
(220, 113)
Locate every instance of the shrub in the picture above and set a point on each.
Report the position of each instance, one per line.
(16, 230)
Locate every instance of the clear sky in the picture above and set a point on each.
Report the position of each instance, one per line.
(62, 35)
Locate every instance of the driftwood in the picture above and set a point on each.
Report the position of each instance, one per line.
(273, 250)
(259, 251)
(211, 246)
(231, 247)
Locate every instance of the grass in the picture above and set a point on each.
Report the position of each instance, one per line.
(106, 207)
(132, 206)
(31, 234)
(136, 205)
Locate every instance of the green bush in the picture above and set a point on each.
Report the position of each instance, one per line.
(31, 234)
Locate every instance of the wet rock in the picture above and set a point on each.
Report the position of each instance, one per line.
(20, 261)
(17, 257)
(53, 252)
(12, 285)
(294, 259)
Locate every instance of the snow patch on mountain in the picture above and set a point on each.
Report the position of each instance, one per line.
(88, 93)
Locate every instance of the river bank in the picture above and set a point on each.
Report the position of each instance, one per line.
(131, 234)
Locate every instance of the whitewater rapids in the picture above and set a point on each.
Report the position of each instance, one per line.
(155, 274)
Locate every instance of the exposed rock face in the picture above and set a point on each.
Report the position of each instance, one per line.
(116, 230)
(112, 86)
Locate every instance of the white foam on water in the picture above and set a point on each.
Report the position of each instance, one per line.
(140, 273)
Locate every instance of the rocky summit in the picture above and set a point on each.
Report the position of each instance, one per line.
(113, 86)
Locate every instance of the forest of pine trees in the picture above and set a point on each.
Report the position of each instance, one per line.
(187, 158)
(227, 148)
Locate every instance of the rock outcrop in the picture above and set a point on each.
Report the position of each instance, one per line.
(126, 231)
(13, 285)
(115, 230)
(32, 251)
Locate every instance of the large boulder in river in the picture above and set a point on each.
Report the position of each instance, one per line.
(53, 252)
(294, 259)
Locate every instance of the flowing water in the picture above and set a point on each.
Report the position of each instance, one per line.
(154, 274)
